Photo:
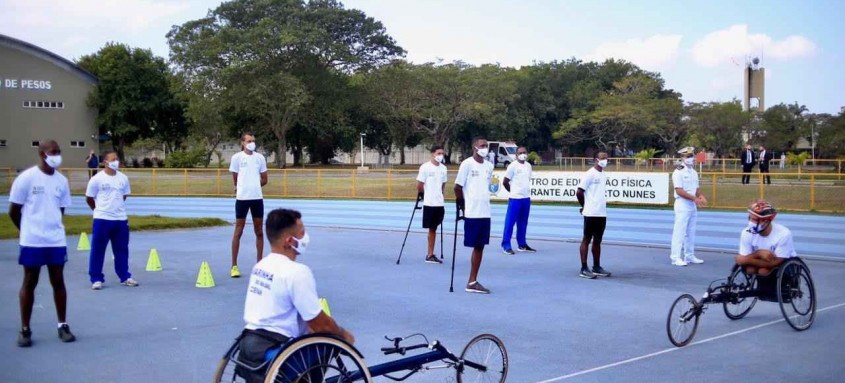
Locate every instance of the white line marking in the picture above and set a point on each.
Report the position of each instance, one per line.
(626, 361)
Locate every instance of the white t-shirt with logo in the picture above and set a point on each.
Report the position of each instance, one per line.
(594, 184)
(249, 168)
(433, 176)
(475, 178)
(779, 242)
(281, 297)
(520, 180)
(108, 192)
(686, 179)
(42, 197)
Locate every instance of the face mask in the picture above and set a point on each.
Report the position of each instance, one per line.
(301, 244)
(689, 161)
(603, 163)
(522, 157)
(54, 161)
(439, 158)
(756, 227)
(250, 146)
(483, 152)
(114, 165)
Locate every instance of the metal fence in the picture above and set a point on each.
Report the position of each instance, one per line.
(797, 191)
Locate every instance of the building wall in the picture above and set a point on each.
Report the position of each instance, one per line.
(28, 76)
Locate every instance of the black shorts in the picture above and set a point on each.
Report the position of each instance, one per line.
(433, 216)
(594, 227)
(256, 206)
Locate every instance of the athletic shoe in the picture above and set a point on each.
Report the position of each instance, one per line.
(65, 335)
(475, 287)
(693, 259)
(526, 249)
(97, 286)
(130, 282)
(586, 273)
(600, 272)
(25, 338)
(508, 251)
(678, 262)
(432, 259)
(235, 273)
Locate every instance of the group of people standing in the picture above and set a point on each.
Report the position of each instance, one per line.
(762, 158)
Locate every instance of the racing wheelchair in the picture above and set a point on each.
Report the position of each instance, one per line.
(327, 358)
(790, 285)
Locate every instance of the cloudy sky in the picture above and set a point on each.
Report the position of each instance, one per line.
(699, 47)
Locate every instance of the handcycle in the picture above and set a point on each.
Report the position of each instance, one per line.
(790, 285)
(327, 358)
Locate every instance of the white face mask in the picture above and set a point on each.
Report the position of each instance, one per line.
(301, 244)
(483, 152)
(439, 158)
(603, 163)
(689, 161)
(114, 165)
(756, 227)
(250, 146)
(522, 157)
(54, 161)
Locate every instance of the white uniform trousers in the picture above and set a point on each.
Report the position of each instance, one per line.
(683, 234)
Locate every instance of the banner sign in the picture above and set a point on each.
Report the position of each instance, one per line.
(627, 187)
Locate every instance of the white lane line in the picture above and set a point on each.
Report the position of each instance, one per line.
(626, 361)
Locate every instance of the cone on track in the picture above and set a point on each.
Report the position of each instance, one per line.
(205, 279)
(83, 245)
(324, 303)
(153, 263)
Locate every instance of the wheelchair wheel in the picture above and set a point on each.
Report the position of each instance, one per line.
(740, 281)
(683, 320)
(225, 372)
(486, 350)
(318, 358)
(796, 294)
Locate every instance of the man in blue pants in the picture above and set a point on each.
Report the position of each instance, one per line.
(106, 195)
(518, 183)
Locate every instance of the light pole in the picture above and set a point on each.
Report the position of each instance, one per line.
(362, 149)
(813, 141)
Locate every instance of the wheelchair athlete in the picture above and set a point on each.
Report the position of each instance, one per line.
(281, 301)
(764, 245)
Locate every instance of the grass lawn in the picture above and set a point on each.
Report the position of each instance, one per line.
(75, 224)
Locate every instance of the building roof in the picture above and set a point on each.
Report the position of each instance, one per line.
(44, 54)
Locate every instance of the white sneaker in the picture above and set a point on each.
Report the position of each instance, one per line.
(693, 259)
(678, 262)
(130, 282)
(97, 286)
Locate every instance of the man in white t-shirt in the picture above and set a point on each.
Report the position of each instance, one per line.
(249, 173)
(281, 300)
(472, 197)
(431, 180)
(37, 202)
(688, 199)
(106, 196)
(518, 183)
(763, 244)
(591, 196)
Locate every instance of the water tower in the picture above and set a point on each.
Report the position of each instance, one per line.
(754, 81)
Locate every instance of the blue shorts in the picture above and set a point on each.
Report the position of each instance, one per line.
(40, 256)
(476, 232)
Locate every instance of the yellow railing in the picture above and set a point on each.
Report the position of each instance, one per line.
(799, 191)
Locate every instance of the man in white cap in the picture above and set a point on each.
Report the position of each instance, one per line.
(688, 199)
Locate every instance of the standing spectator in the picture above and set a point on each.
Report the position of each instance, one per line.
(688, 199)
(765, 158)
(37, 202)
(92, 161)
(249, 172)
(593, 201)
(106, 196)
(430, 183)
(748, 160)
(518, 183)
(473, 183)
(782, 160)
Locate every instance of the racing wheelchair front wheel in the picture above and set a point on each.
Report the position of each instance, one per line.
(486, 350)
(796, 294)
(739, 281)
(683, 320)
(318, 358)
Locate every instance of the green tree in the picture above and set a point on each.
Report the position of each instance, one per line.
(718, 125)
(782, 126)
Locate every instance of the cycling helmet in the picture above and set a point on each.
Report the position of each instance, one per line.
(762, 210)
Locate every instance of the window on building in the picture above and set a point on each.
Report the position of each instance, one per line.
(61, 105)
(40, 104)
(44, 104)
(34, 144)
(26, 104)
(2, 143)
(77, 144)
(53, 104)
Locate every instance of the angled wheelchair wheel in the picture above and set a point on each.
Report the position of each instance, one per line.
(484, 350)
(683, 320)
(225, 372)
(318, 358)
(739, 282)
(796, 294)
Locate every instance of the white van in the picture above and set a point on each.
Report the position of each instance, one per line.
(505, 152)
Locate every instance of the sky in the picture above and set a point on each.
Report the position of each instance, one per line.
(698, 47)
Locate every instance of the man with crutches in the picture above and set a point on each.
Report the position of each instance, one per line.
(472, 196)
(430, 183)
